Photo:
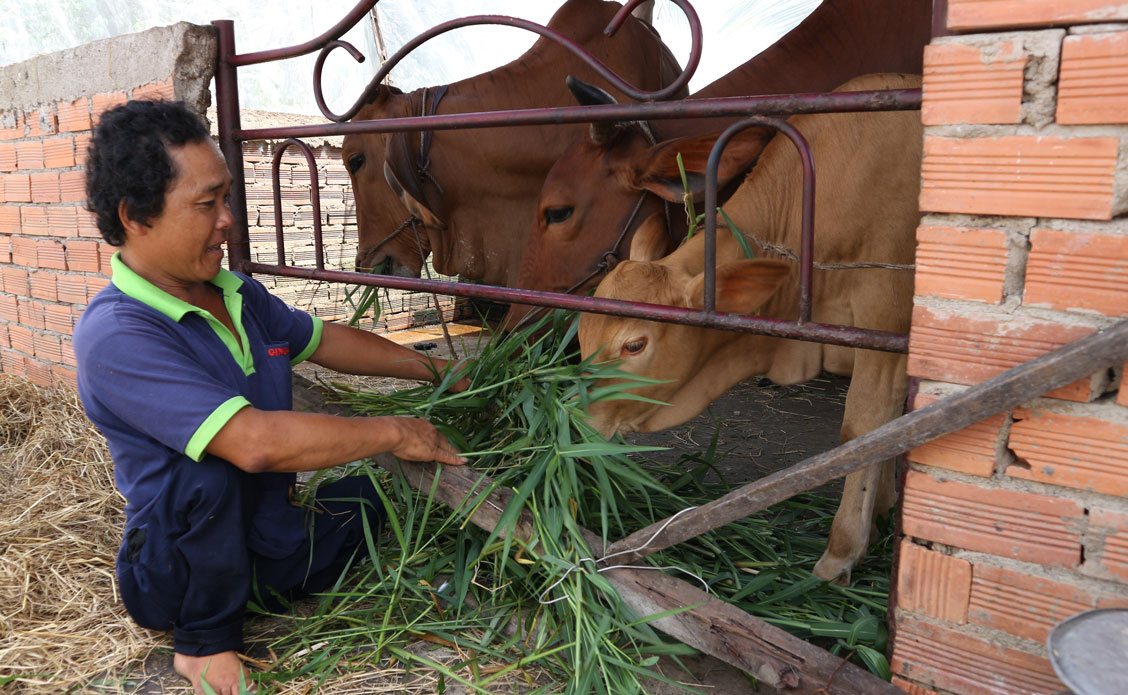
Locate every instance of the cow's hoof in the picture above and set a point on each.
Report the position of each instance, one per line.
(834, 570)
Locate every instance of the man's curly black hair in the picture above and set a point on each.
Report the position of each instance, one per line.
(128, 161)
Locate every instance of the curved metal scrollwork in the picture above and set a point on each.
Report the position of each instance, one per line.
(331, 40)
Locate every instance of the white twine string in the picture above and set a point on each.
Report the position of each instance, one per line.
(600, 570)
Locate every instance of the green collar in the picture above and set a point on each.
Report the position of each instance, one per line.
(137, 287)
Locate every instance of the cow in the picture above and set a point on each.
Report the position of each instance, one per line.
(474, 198)
(868, 168)
(584, 220)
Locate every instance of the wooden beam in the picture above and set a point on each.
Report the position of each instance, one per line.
(1013, 387)
(714, 627)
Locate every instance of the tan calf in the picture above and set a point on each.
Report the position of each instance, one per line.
(868, 168)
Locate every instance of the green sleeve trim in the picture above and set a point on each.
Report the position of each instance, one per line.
(211, 427)
(314, 342)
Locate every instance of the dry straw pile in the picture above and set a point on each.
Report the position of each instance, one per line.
(61, 621)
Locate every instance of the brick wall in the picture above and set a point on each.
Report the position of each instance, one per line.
(52, 257)
(1020, 521)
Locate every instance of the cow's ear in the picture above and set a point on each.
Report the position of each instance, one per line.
(399, 172)
(650, 241)
(742, 286)
(656, 169)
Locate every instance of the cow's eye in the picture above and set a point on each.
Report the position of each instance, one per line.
(633, 347)
(557, 215)
(356, 162)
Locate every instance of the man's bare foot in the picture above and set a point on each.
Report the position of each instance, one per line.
(222, 675)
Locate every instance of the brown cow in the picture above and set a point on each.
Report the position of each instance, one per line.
(583, 215)
(478, 195)
(866, 212)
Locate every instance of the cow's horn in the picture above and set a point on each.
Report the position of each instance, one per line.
(590, 95)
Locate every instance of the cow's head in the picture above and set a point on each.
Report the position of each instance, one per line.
(380, 209)
(586, 213)
(687, 360)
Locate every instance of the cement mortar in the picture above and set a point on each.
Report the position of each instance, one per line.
(184, 51)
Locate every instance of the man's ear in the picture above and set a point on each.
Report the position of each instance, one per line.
(132, 226)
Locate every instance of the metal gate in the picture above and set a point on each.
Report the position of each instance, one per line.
(772, 655)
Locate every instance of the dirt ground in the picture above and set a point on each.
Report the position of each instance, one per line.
(764, 428)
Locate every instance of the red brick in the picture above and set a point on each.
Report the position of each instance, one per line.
(972, 84)
(15, 188)
(912, 688)
(29, 154)
(961, 263)
(933, 583)
(105, 256)
(51, 254)
(58, 153)
(7, 157)
(1106, 548)
(980, 14)
(44, 285)
(13, 125)
(4, 341)
(156, 90)
(5, 248)
(62, 221)
(950, 660)
(83, 256)
(1093, 81)
(9, 309)
(1020, 525)
(24, 251)
(15, 281)
(42, 122)
(101, 102)
(38, 372)
(11, 362)
(72, 186)
(63, 376)
(48, 348)
(32, 314)
(1026, 605)
(1078, 452)
(94, 285)
(72, 289)
(1074, 270)
(9, 219)
(59, 318)
(87, 224)
(22, 339)
(45, 187)
(33, 220)
(1030, 176)
(67, 348)
(74, 116)
(81, 144)
(1122, 394)
(971, 450)
(968, 348)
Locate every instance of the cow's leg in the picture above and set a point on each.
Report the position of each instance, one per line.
(876, 396)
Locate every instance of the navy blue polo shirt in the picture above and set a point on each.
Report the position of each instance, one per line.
(160, 377)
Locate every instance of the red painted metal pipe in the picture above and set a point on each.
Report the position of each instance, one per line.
(848, 336)
(227, 116)
(315, 201)
(789, 104)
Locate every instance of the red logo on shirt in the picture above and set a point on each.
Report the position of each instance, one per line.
(278, 351)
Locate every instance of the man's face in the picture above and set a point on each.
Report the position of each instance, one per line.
(184, 245)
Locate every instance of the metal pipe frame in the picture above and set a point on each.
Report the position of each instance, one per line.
(231, 136)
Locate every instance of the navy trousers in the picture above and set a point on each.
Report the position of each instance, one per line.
(211, 542)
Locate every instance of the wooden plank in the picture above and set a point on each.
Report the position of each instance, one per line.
(716, 628)
(1067, 364)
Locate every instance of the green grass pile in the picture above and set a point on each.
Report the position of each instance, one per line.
(502, 608)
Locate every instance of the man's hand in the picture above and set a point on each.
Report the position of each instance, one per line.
(420, 441)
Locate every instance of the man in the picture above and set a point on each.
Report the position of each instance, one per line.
(185, 368)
